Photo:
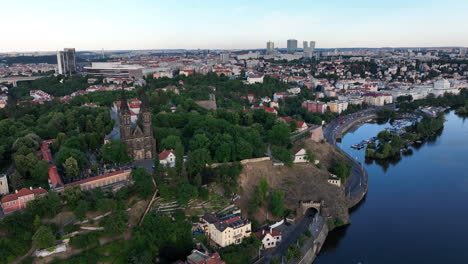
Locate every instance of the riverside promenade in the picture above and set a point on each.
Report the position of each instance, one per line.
(357, 184)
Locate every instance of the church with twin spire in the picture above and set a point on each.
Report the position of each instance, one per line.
(137, 136)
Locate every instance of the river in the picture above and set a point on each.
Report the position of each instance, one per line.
(415, 210)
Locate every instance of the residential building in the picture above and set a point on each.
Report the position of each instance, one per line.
(270, 238)
(300, 125)
(337, 106)
(186, 72)
(292, 46)
(227, 230)
(315, 106)
(167, 158)
(3, 100)
(335, 180)
(19, 199)
(4, 184)
(224, 57)
(300, 155)
(66, 61)
(377, 99)
(266, 109)
(198, 257)
(256, 78)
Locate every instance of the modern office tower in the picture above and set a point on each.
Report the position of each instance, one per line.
(224, 57)
(270, 47)
(66, 61)
(305, 46)
(292, 46)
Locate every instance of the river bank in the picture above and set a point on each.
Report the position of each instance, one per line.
(423, 187)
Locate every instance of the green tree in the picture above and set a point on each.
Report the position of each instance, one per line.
(198, 159)
(279, 135)
(143, 183)
(72, 195)
(115, 223)
(199, 141)
(106, 205)
(43, 238)
(115, 151)
(170, 142)
(71, 168)
(41, 171)
(282, 154)
(310, 156)
(65, 153)
(179, 154)
(277, 203)
(81, 210)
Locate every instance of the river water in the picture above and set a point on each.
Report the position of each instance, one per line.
(415, 211)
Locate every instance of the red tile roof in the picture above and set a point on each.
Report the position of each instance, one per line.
(54, 177)
(165, 153)
(22, 192)
(95, 178)
(296, 149)
(260, 235)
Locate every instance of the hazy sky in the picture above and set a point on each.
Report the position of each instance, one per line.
(48, 25)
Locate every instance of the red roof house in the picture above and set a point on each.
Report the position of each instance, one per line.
(18, 200)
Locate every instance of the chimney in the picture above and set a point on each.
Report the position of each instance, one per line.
(271, 230)
(16, 191)
(30, 188)
(263, 231)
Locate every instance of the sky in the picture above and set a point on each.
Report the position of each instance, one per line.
(50, 25)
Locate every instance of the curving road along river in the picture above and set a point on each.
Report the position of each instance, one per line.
(415, 209)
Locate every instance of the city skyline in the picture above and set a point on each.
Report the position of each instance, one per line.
(142, 25)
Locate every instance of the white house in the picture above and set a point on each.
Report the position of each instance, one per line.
(167, 158)
(335, 180)
(300, 155)
(270, 238)
(255, 79)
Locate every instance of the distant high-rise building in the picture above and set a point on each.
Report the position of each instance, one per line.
(66, 61)
(312, 46)
(292, 46)
(309, 49)
(224, 57)
(270, 47)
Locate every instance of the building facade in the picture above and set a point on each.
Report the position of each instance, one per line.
(19, 199)
(100, 181)
(270, 48)
(315, 107)
(227, 230)
(138, 137)
(270, 238)
(3, 184)
(66, 61)
(292, 46)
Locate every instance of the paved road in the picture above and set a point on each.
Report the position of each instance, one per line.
(357, 183)
(290, 236)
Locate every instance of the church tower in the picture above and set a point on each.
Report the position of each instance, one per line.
(125, 118)
(146, 118)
